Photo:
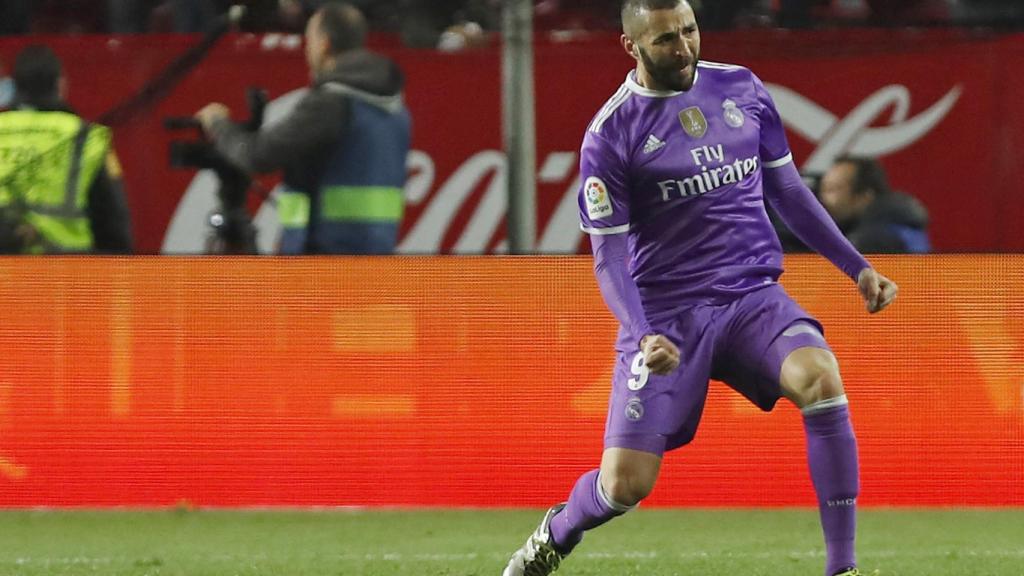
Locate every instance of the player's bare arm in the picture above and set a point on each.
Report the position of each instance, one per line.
(877, 290)
(661, 355)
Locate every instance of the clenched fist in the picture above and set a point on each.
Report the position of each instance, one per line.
(660, 355)
(877, 290)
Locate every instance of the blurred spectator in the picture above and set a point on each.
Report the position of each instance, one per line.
(461, 37)
(456, 24)
(798, 13)
(60, 182)
(721, 14)
(907, 12)
(134, 16)
(876, 219)
(342, 149)
(6, 88)
(805, 13)
(277, 15)
(421, 23)
(15, 16)
(995, 12)
(576, 15)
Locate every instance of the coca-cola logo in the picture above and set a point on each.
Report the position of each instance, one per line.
(857, 133)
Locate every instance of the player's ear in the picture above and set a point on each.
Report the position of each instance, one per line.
(629, 46)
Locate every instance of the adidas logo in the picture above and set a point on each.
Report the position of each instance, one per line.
(653, 144)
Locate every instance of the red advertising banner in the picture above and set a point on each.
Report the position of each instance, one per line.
(940, 108)
(464, 382)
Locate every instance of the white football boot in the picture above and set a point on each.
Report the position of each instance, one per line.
(538, 556)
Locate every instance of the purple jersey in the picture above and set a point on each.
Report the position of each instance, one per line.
(680, 173)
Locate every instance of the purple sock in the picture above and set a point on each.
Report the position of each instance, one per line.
(832, 457)
(587, 508)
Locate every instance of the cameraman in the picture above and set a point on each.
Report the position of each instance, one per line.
(342, 149)
(60, 182)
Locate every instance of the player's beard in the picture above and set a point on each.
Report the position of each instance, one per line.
(668, 75)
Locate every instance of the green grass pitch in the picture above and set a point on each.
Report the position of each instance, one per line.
(478, 542)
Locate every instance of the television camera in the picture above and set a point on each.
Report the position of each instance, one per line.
(231, 228)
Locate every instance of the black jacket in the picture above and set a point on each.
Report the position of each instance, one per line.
(894, 223)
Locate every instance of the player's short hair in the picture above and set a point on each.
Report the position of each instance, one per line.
(632, 8)
(868, 174)
(344, 25)
(37, 71)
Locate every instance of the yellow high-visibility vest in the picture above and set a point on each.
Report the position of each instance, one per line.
(48, 161)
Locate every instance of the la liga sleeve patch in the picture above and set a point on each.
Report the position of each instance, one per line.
(599, 205)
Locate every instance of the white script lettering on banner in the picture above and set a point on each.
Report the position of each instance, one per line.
(854, 134)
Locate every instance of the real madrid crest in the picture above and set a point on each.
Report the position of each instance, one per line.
(693, 122)
(634, 409)
(733, 115)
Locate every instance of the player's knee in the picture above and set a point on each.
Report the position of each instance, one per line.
(811, 375)
(628, 487)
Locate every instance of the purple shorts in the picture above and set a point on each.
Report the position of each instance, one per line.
(742, 343)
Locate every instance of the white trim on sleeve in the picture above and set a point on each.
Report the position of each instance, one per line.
(608, 109)
(605, 231)
(780, 162)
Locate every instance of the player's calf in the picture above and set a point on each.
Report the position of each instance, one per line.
(812, 383)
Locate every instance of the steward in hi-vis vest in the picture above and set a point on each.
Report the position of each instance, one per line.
(59, 179)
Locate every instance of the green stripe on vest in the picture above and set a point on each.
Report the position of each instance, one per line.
(63, 234)
(293, 209)
(343, 204)
(362, 203)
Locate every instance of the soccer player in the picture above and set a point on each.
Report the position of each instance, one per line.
(676, 168)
